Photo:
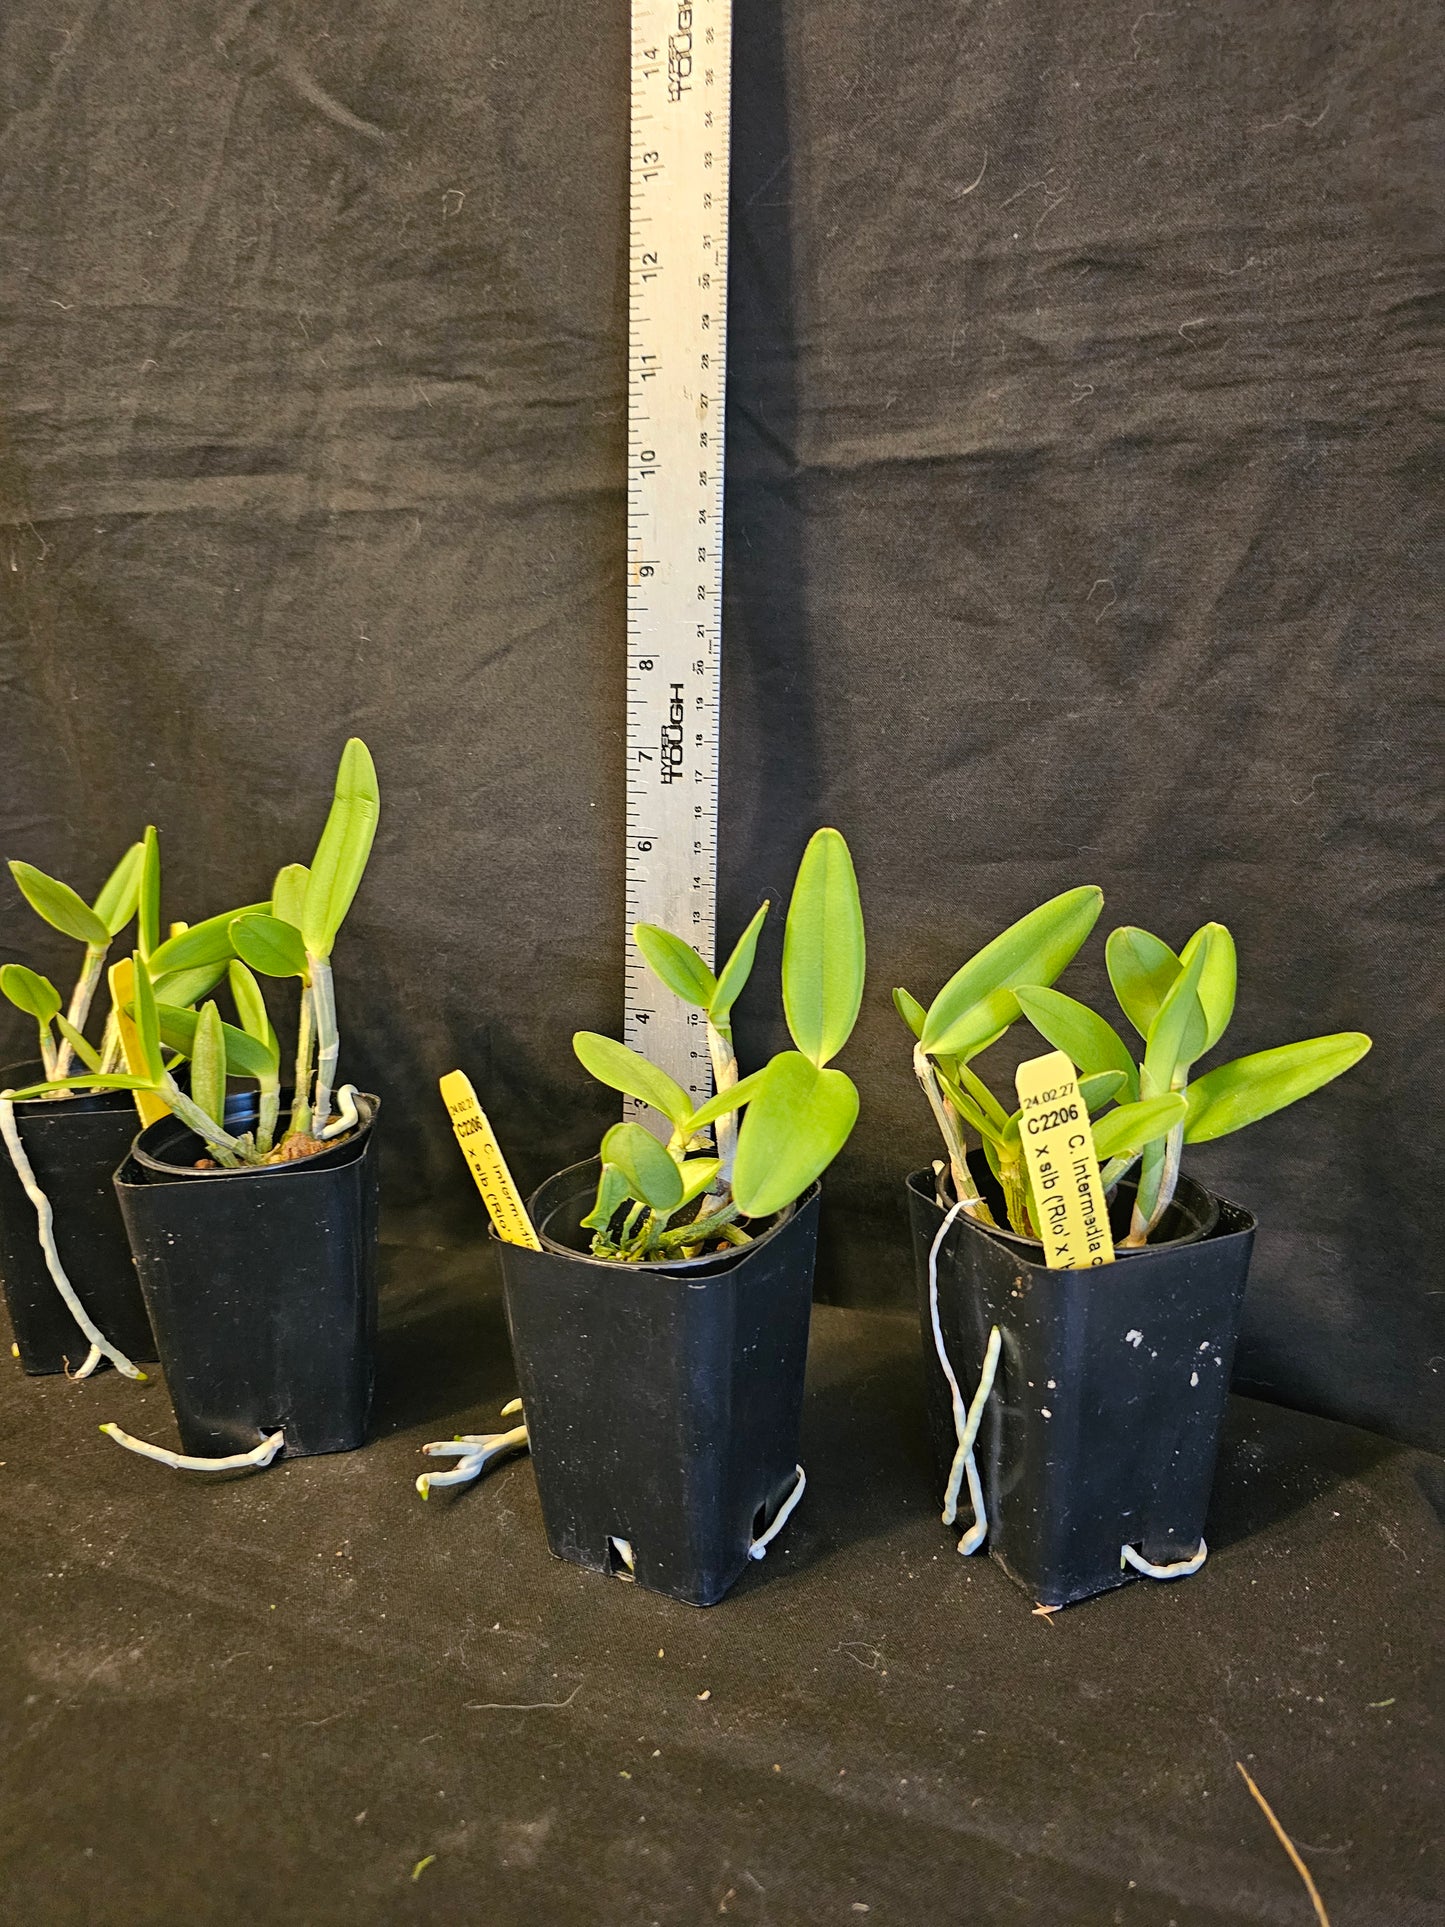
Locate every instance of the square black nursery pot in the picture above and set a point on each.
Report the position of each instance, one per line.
(74, 1145)
(1103, 1425)
(663, 1402)
(261, 1285)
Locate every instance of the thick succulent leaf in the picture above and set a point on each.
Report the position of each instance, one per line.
(1083, 1036)
(968, 1110)
(83, 1048)
(147, 1022)
(611, 1192)
(188, 986)
(824, 955)
(1101, 1089)
(251, 1007)
(208, 1064)
(340, 859)
(270, 945)
(735, 972)
(202, 943)
(1032, 951)
(1253, 1087)
(676, 963)
(1130, 1127)
(721, 1102)
(288, 893)
(624, 1070)
(910, 1010)
(982, 1096)
(1177, 1033)
(794, 1128)
(48, 897)
(148, 903)
(698, 1175)
(975, 1027)
(110, 1081)
(1218, 981)
(30, 992)
(1141, 968)
(119, 894)
(245, 1056)
(651, 1174)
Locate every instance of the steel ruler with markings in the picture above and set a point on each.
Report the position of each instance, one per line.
(677, 365)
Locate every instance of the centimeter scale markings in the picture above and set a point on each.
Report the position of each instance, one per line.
(677, 363)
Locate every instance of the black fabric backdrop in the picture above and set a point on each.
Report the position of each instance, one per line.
(1083, 474)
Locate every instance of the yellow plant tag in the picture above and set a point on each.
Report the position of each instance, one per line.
(483, 1154)
(121, 977)
(1059, 1149)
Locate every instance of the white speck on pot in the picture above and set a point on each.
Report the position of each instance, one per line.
(1136, 1339)
(1194, 1378)
(1046, 1412)
(1205, 1346)
(1053, 1385)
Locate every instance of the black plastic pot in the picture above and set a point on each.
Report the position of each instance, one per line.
(261, 1286)
(663, 1402)
(1103, 1425)
(74, 1145)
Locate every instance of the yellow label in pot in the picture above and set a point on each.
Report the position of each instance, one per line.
(1073, 1215)
(484, 1158)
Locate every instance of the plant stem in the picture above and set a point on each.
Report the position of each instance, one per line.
(226, 1148)
(699, 1231)
(110, 1045)
(47, 1050)
(947, 1119)
(305, 1044)
(1016, 1193)
(266, 1116)
(80, 997)
(725, 1075)
(328, 1043)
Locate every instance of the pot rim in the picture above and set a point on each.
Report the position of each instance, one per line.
(65, 1103)
(922, 1181)
(704, 1266)
(187, 1173)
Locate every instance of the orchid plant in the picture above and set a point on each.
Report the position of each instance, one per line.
(773, 1132)
(1180, 1005)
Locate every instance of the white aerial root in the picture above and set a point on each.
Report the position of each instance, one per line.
(759, 1548)
(1181, 1568)
(100, 1345)
(261, 1454)
(965, 1422)
(347, 1115)
(473, 1451)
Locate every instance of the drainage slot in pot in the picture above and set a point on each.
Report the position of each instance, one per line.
(620, 1558)
(760, 1521)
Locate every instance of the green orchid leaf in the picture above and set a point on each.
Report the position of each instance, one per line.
(698, 1175)
(341, 855)
(1032, 951)
(147, 1023)
(148, 899)
(982, 1096)
(676, 963)
(1101, 1089)
(795, 1127)
(624, 1070)
(207, 943)
(735, 972)
(270, 945)
(1253, 1087)
(251, 1007)
(1084, 1037)
(208, 1064)
(58, 904)
(1217, 982)
(651, 1174)
(967, 1109)
(1130, 1127)
(110, 1081)
(975, 1027)
(1177, 1033)
(188, 986)
(120, 893)
(824, 955)
(83, 1048)
(721, 1102)
(910, 1010)
(288, 893)
(612, 1192)
(1141, 969)
(245, 1056)
(30, 992)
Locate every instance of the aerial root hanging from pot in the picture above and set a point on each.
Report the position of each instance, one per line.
(966, 1421)
(759, 1548)
(473, 1451)
(259, 1455)
(100, 1345)
(1181, 1568)
(347, 1116)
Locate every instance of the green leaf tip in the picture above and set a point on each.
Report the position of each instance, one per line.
(824, 951)
(59, 906)
(341, 855)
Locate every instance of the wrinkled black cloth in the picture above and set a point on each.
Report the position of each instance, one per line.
(276, 1697)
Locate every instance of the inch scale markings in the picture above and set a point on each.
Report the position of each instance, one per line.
(677, 367)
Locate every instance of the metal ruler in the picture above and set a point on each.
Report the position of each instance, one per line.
(677, 364)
